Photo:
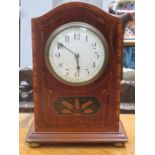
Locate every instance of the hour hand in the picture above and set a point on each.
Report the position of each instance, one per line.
(77, 60)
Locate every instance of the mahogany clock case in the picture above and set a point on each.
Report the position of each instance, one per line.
(87, 113)
(69, 39)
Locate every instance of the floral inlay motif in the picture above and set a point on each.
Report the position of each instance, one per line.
(77, 105)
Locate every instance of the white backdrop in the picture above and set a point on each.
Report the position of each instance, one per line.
(30, 9)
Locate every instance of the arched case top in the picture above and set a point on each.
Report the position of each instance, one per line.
(104, 93)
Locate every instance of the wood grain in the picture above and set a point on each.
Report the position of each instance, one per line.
(102, 126)
(24, 149)
(111, 27)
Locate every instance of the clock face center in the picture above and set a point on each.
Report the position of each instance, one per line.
(76, 53)
(82, 52)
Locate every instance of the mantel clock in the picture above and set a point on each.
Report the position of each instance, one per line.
(77, 68)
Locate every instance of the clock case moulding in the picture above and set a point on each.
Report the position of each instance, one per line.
(49, 125)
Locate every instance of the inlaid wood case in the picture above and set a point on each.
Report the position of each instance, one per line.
(77, 114)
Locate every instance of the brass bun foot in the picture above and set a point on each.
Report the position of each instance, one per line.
(33, 144)
(119, 144)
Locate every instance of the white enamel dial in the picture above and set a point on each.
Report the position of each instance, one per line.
(76, 54)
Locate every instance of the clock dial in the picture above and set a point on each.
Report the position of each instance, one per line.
(76, 53)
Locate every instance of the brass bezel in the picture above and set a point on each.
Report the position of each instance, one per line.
(66, 26)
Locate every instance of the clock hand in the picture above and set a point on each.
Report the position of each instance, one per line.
(75, 54)
(66, 48)
(77, 60)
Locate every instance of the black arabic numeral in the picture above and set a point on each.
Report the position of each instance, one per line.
(77, 74)
(94, 65)
(87, 71)
(94, 45)
(67, 39)
(67, 72)
(86, 38)
(57, 54)
(60, 65)
(97, 54)
(77, 36)
(59, 45)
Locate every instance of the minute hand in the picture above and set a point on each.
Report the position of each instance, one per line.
(66, 48)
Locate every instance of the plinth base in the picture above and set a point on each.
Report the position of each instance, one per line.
(34, 139)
